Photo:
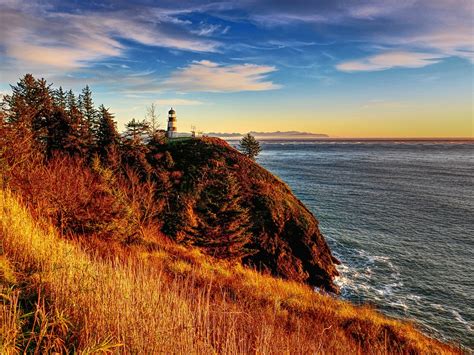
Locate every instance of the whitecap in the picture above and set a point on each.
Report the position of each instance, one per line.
(438, 306)
(399, 304)
(460, 319)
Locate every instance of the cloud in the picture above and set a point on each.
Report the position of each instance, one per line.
(283, 13)
(34, 36)
(178, 102)
(152, 35)
(208, 30)
(389, 60)
(457, 42)
(42, 37)
(443, 27)
(207, 76)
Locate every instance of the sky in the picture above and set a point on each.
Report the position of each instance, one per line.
(362, 68)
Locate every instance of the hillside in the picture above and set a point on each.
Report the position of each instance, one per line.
(72, 167)
(92, 296)
(285, 238)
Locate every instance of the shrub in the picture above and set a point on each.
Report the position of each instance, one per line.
(74, 198)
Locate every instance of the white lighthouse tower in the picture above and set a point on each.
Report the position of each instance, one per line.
(172, 129)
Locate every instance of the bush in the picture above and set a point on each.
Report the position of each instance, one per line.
(71, 196)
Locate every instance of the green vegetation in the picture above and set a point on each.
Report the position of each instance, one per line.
(249, 146)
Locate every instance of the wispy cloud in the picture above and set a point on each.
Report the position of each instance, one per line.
(207, 76)
(36, 37)
(443, 27)
(283, 13)
(389, 60)
(457, 41)
(208, 30)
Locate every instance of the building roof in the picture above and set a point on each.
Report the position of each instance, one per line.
(171, 111)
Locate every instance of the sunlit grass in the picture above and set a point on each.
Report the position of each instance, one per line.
(79, 297)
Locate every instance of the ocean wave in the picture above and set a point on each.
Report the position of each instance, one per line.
(400, 304)
(355, 277)
(461, 320)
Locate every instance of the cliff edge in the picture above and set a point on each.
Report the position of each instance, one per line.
(284, 237)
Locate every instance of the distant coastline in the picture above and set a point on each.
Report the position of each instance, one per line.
(457, 140)
(270, 135)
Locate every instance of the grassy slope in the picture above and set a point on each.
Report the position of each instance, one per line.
(168, 298)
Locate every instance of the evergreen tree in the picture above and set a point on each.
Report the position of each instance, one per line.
(83, 130)
(86, 105)
(108, 138)
(134, 148)
(20, 106)
(29, 109)
(66, 133)
(17, 142)
(59, 132)
(45, 107)
(81, 133)
(137, 131)
(60, 98)
(249, 146)
(223, 224)
(71, 102)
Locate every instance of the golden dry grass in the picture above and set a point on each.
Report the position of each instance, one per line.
(90, 297)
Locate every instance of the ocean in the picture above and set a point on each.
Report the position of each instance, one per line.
(400, 218)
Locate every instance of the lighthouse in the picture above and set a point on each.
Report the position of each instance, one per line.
(172, 130)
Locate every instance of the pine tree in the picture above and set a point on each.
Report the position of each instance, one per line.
(20, 106)
(29, 109)
(45, 107)
(17, 142)
(60, 98)
(86, 105)
(249, 146)
(71, 102)
(59, 132)
(134, 148)
(83, 129)
(136, 131)
(223, 224)
(108, 138)
(66, 133)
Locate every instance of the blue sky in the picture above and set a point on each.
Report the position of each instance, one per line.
(346, 68)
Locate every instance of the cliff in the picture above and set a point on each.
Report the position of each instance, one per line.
(285, 238)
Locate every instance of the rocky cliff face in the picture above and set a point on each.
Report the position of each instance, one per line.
(284, 237)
